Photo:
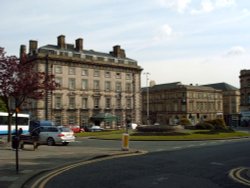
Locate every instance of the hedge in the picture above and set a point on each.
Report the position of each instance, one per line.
(217, 124)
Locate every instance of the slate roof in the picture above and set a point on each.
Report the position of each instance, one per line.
(174, 85)
(70, 48)
(160, 87)
(222, 86)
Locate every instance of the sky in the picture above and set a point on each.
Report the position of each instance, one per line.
(188, 41)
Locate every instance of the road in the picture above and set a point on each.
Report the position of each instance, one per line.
(169, 164)
(151, 146)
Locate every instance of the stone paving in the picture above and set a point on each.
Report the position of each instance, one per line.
(44, 158)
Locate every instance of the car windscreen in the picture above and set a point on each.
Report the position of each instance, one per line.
(65, 129)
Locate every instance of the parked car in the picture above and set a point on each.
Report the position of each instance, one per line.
(95, 128)
(52, 135)
(75, 128)
(92, 128)
(132, 126)
(86, 128)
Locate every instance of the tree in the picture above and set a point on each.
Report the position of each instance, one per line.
(2, 106)
(20, 81)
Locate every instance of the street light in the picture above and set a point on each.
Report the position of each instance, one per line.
(16, 137)
(147, 73)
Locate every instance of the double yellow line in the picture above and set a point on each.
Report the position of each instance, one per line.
(42, 181)
(236, 175)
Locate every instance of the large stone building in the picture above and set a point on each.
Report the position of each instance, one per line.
(245, 90)
(245, 96)
(231, 102)
(92, 84)
(168, 103)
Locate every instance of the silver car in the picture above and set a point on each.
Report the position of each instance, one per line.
(52, 135)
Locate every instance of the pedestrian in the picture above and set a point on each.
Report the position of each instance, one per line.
(20, 131)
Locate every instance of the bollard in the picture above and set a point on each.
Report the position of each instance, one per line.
(125, 141)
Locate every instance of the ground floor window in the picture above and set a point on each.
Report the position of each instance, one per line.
(58, 120)
(72, 120)
(84, 120)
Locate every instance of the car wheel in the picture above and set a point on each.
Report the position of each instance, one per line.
(65, 143)
(50, 142)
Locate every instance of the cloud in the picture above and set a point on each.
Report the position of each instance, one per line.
(163, 33)
(236, 51)
(224, 3)
(166, 32)
(246, 12)
(208, 6)
(178, 5)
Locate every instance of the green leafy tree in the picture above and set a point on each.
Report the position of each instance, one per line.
(2, 106)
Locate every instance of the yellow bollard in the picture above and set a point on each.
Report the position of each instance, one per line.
(125, 141)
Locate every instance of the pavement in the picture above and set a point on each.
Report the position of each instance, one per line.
(32, 162)
(46, 158)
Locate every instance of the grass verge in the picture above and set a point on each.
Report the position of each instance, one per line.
(190, 135)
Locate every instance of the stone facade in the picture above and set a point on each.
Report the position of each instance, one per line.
(90, 83)
(245, 97)
(168, 103)
(245, 90)
(231, 102)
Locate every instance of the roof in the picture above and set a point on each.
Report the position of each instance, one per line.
(163, 86)
(222, 86)
(176, 85)
(70, 48)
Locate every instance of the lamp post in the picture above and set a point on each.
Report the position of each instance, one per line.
(17, 137)
(147, 73)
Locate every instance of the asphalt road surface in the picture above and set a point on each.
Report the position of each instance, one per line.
(206, 166)
(151, 146)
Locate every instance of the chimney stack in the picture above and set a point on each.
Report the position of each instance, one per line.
(118, 52)
(32, 46)
(22, 52)
(79, 44)
(61, 42)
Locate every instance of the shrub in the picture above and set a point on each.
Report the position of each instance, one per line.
(219, 124)
(160, 128)
(204, 125)
(216, 124)
(185, 121)
(172, 133)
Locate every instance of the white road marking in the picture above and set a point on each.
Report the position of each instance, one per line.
(217, 163)
(177, 147)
